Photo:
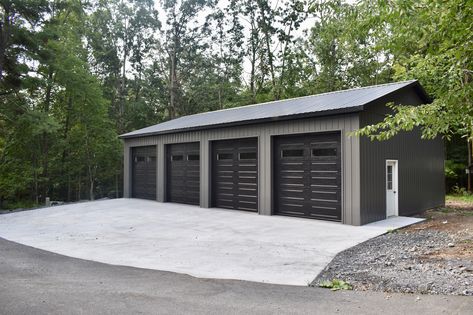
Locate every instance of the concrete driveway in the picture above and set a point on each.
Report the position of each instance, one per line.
(207, 243)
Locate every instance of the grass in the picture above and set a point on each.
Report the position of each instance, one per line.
(468, 198)
(336, 285)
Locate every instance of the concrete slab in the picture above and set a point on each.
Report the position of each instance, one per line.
(208, 243)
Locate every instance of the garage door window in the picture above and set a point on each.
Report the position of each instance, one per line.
(292, 153)
(224, 156)
(139, 158)
(324, 152)
(247, 156)
(193, 157)
(176, 157)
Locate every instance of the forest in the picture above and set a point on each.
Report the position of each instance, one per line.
(75, 74)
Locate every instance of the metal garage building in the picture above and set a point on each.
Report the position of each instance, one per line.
(292, 157)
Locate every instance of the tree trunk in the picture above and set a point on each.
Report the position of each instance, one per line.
(121, 105)
(79, 192)
(4, 35)
(68, 188)
(267, 37)
(91, 189)
(172, 85)
(253, 40)
(117, 195)
(470, 166)
(45, 138)
(65, 151)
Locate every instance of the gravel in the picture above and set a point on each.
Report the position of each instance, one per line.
(403, 262)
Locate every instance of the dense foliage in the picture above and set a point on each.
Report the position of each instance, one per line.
(75, 74)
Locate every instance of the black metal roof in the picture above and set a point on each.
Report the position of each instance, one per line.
(345, 101)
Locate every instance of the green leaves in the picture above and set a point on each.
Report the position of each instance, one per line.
(431, 42)
(336, 285)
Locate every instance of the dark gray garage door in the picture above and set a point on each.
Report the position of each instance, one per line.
(144, 172)
(183, 173)
(235, 174)
(307, 176)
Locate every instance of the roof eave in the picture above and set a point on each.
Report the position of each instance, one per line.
(340, 111)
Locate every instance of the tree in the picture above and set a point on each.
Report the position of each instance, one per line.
(182, 41)
(430, 41)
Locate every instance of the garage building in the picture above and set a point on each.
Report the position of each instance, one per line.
(293, 157)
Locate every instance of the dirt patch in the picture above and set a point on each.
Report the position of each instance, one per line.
(457, 222)
(435, 256)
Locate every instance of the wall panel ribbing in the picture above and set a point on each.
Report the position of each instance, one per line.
(264, 132)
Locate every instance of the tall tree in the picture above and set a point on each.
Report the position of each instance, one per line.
(430, 41)
(182, 40)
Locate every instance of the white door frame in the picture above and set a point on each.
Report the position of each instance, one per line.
(395, 185)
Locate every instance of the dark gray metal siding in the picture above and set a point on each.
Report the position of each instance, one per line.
(264, 132)
(420, 163)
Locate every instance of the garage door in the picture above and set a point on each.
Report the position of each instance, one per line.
(235, 174)
(144, 172)
(183, 173)
(308, 176)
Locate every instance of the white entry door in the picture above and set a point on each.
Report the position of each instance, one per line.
(391, 188)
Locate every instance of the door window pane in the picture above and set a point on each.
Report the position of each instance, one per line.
(292, 153)
(193, 157)
(324, 152)
(247, 156)
(225, 156)
(389, 177)
(177, 157)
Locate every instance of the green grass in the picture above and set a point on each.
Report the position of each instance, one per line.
(462, 198)
(336, 285)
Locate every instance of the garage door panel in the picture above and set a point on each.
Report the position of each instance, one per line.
(245, 180)
(331, 182)
(235, 174)
(324, 166)
(291, 209)
(144, 172)
(296, 197)
(246, 197)
(308, 176)
(325, 195)
(183, 173)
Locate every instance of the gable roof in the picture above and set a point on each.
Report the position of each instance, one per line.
(345, 101)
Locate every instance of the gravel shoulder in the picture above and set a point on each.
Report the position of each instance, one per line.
(432, 257)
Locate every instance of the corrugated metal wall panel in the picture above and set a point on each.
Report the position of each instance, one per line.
(264, 133)
(420, 163)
